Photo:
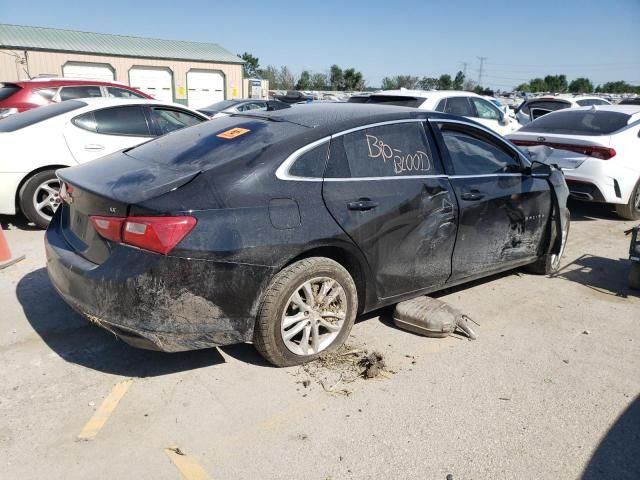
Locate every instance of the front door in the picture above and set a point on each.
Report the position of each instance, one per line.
(503, 212)
(386, 189)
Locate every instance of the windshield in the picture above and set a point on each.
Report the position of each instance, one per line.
(7, 89)
(35, 115)
(218, 107)
(579, 122)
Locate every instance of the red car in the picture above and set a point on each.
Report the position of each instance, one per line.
(24, 95)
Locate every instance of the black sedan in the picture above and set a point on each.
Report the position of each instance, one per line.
(279, 228)
(241, 105)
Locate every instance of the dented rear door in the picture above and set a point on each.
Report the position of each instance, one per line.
(503, 212)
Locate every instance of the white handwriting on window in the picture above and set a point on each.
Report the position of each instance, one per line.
(402, 162)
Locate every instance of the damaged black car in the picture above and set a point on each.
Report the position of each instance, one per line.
(279, 228)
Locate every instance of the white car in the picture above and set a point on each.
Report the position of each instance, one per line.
(35, 143)
(598, 148)
(455, 102)
(533, 108)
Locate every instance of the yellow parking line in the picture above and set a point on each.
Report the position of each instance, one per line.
(95, 423)
(189, 468)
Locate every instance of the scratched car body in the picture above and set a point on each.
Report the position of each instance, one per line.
(279, 228)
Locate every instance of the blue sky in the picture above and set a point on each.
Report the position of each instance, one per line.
(600, 40)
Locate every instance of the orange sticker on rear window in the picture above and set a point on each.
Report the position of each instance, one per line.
(233, 133)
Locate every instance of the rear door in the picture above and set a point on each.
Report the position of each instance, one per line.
(98, 133)
(503, 212)
(386, 188)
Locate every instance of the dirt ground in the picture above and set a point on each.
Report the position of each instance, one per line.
(549, 390)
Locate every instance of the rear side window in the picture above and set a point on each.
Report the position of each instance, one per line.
(473, 153)
(35, 115)
(579, 122)
(122, 93)
(459, 106)
(8, 89)
(399, 149)
(129, 120)
(397, 100)
(311, 164)
(81, 91)
(169, 120)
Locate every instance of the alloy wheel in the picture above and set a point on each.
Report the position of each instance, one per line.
(46, 198)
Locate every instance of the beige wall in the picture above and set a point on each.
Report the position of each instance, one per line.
(52, 62)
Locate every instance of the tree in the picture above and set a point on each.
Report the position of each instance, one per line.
(271, 74)
(469, 85)
(251, 66)
(538, 85)
(428, 83)
(336, 78)
(304, 82)
(445, 82)
(523, 87)
(353, 80)
(389, 84)
(319, 81)
(458, 82)
(581, 85)
(285, 79)
(556, 83)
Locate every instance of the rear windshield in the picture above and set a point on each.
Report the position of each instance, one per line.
(218, 107)
(35, 115)
(579, 122)
(587, 102)
(397, 100)
(7, 89)
(214, 142)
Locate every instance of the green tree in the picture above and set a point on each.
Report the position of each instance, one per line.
(523, 87)
(286, 79)
(336, 78)
(428, 83)
(251, 66)
(538, 85)
(556, 83)
(271, 74)
(304, 82)
(319, 81)
(353, 80)
(445, 82)
(618, 87)
(458, 82)
(581, 85)
(389, 83)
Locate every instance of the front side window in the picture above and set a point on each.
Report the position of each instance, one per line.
(396, 150)
(459, 106)
(122, 93)
(171, 120)
(485, 109)
(126, 121)
(80, 91)
(252, 106)
(474, 153)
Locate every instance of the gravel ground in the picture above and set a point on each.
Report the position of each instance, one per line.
(550, 390)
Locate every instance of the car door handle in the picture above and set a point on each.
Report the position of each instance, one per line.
(93, 147)
(472, 196)
(362, 204)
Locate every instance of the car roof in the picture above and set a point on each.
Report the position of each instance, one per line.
(110, 102)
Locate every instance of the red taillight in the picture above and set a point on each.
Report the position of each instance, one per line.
(109, 227)
(602, 153)
(158, 234)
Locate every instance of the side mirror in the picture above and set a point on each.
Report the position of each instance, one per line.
(540, 170)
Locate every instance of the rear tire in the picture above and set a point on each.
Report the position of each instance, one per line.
(631, 211)
(634, 276)
(549, 263)
(39, 197)
(299, 318)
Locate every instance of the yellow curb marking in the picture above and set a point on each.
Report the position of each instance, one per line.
(95, 423)
(189, 468)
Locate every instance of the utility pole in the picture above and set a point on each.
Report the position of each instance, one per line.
(464, 68)
(482, 60)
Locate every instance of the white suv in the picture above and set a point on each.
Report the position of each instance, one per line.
(455, 102)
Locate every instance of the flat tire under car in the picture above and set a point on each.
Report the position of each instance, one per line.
(308, 309)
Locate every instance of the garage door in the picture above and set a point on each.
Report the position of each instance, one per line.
(156, 82)
(88, 71)
(204, 88)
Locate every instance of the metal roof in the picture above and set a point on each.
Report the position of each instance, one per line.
(53, 39)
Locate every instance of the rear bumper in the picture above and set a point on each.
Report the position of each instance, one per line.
(159, 302)
(612, 183)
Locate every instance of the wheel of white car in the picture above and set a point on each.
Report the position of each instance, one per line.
(39, 197)
(631, 210)
(308, 308)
